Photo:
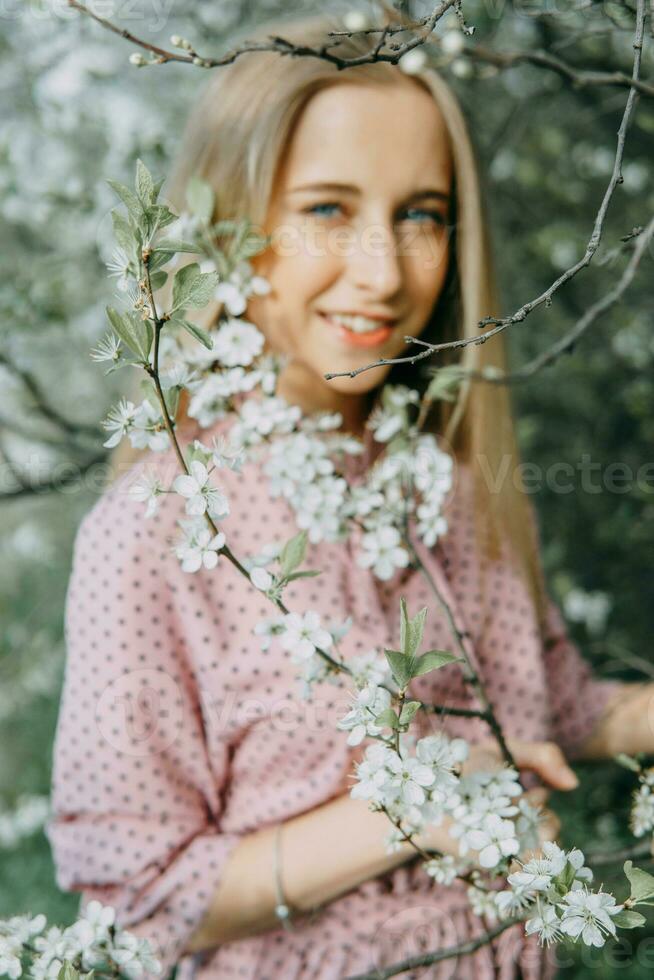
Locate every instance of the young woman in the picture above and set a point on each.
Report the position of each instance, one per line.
(182, 747)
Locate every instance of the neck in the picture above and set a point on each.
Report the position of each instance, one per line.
(298, 387)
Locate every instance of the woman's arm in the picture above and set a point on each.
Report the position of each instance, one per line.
(323, 853)
(626, 725)
(335, 847)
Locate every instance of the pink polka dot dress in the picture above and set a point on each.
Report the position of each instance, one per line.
(178, 734)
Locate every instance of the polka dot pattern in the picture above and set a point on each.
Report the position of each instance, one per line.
(177, 734)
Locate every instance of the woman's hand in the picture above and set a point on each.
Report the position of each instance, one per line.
(543, 758)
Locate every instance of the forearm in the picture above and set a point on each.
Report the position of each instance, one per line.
(626, 726)
(324, 853)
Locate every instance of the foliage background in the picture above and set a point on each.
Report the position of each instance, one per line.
(75, 112)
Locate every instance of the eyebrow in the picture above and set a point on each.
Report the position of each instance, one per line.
(351, 189)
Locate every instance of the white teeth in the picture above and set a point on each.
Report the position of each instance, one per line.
(357, 324)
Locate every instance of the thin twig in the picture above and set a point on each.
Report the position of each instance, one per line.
(545, 298)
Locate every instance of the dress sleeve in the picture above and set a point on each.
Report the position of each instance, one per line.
(136, 797)
(578, 698)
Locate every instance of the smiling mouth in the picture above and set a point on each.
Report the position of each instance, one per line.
(360, 331)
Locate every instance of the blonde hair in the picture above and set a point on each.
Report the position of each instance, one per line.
(235, 139)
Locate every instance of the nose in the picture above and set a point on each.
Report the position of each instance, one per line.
(374, 266)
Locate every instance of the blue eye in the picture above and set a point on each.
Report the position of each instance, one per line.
(424, 215)
(315, 208)
(434, 216)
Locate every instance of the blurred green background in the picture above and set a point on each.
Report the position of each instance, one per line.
(75, 112)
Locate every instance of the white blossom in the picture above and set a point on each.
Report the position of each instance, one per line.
(263, 417)
(133, 956)
(444, 870)
(372, 774)
(199, 548)
(304, 634)
(431, 523)
(108, 349)
(240, 285)
(482, 903)
(147, 489)
(641, 817)
(261, 579)
(383, 552)
(227, 454)
(237, 342)
(120, 421)
(267, 629)
(148, 430)
(201, 496)
(369, 668)
(10, 953)
(494, 840)
(369, 702)
(118, 266)
(546, 923)
(319, 508)
(409, 777)
(588, 915)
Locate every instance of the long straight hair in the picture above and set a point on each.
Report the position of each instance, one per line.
(236, 137)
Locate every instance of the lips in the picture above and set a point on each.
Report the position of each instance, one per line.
(372, 338)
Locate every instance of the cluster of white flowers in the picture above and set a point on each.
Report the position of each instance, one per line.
(482, 805)
(551, 894)
(28, 816)
(554, 888)
(93, 942)
(642, 807)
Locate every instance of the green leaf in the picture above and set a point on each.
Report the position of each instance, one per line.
(387, 718)
(307, 574)
(129, 199)
(628, 919)
(144, 184)
(628, 762)
(432, 660)
(171, 398)
(445, 383)
(173, 245)
(192, 287)
(405, 668)
(161, 215)
(195, 331)
(411, 630)
(409, 709)
(67, 972)
(293, 552)
(126, 236)
(400, 666)
(642, 883)
(158, 279)
(135, 333)
(200, 198)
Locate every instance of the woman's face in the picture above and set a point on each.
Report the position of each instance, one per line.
(358, 220)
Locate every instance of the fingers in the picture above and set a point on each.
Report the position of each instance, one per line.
(547, 760)
(538, 795)
(549, 827)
